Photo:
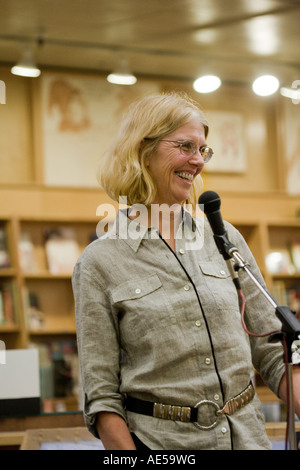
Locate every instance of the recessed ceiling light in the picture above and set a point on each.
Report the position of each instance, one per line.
(121, 78)
(265, 85)
(207, 84)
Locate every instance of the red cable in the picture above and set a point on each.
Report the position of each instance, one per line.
(243, 321)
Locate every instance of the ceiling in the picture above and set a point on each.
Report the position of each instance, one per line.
(182, 39)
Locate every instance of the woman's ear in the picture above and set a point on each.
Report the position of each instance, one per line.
(147, 160)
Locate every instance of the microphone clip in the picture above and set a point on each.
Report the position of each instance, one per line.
(225, 247)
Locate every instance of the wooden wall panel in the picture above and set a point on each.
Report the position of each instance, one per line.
(21, 158)
(16, 151)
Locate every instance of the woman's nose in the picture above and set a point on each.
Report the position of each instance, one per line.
(197, 159)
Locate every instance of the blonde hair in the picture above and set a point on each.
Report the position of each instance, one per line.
(123, 170)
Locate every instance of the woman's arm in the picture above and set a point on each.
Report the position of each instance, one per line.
(282, 392)
(113, 431)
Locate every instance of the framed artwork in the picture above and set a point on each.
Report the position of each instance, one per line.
(291, 146)
(80, 116)
(227, 139)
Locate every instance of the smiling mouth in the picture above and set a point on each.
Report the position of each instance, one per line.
(185, 176)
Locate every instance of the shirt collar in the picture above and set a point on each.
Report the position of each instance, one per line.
(133, 233)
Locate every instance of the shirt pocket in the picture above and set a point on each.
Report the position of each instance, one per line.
(142, 305)
(220, 285)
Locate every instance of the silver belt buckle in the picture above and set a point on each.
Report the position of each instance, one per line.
(217, 408)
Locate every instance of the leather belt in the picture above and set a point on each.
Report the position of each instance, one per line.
(187, 414)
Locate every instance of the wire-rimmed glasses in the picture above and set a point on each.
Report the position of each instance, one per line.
(188, 148)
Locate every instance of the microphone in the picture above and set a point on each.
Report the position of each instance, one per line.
(211, 203)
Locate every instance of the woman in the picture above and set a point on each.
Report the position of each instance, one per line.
(165, 362)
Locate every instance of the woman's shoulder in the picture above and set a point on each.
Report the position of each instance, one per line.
(101, 244)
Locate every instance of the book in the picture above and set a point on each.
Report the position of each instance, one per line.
(279, 262)
(279, 292)
(289, 296)
(2, 316)
(26, 253)
(59, 368)
(295, 254)
(35, 317)
(8, 303)
(4, 254)
(273, 412)
(62, 250)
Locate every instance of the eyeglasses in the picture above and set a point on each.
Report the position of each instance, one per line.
(188, 148)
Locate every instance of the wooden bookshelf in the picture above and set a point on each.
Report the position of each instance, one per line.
(45, 209)
(10, 305)
(50, 320)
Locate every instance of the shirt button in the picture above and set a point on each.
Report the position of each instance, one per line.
(216, 397)
(181, 251)
(198, 323)
(186, 287)
(222, 272)
(223, 430)
(138, 291)
(207, 361)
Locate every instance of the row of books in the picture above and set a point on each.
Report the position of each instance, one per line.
(284, 261)
(8, 303)
(61, 248)
(59, 369)
(4, 253)
(62, 251)
(34, 315)
(287, 296)
(275, 412)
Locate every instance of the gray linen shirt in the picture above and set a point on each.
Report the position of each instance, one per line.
(166, 327)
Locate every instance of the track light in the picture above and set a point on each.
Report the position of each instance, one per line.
(122, 75)
(26, 67)
(207, 84)
(292, 93)
(265, 85)
(118, 78)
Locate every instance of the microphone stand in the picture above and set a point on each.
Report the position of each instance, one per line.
(290, 325)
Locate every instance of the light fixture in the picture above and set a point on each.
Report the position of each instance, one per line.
(265, 85)
(207, 84)
(26, 67)
(291, 93)
(122, 75)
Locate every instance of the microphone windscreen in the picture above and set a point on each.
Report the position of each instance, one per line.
(211, 201)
